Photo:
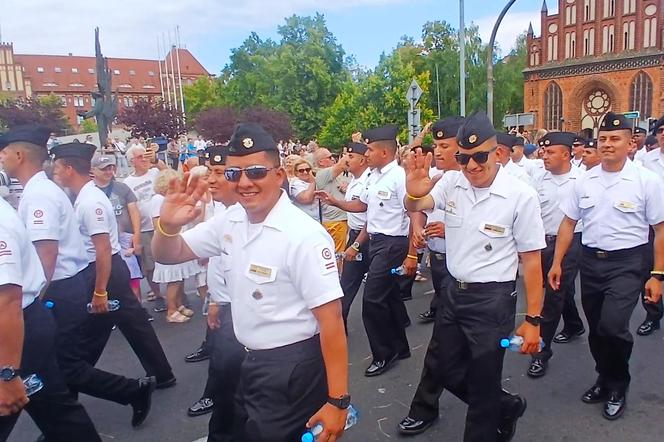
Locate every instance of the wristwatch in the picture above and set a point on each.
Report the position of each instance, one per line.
(534, 320)
(355, 246)
(342, 403)
(8, 373)
(657, 275)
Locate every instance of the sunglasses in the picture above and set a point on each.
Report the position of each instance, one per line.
(479, 157)
(233, 174)
(307, 170)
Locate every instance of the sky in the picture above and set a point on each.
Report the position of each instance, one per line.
(210, 29)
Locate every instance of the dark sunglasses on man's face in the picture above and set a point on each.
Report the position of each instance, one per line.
(233, 174)
(307, 170)
(478, 157)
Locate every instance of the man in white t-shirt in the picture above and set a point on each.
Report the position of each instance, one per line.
(141, 182)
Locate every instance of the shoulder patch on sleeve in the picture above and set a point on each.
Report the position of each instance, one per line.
(327, 259)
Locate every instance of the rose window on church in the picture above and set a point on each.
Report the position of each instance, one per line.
(598, 103)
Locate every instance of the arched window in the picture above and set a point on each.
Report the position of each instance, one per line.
(553, 107)
(641, 95)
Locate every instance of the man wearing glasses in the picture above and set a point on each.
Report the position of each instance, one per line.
(491, 219)
(286, 314)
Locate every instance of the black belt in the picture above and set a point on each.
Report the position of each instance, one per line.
(375, 236)
(463, 286)
(305, 346)
(613, 254)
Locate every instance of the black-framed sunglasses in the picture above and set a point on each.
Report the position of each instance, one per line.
(307, 170)
(233, 174)
(478, 157)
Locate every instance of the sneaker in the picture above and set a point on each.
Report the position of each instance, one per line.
(177, 317)
(186, 311)
(160, 305)
(200, 407)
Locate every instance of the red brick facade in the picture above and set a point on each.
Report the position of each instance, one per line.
(73, 78)
(594, 56)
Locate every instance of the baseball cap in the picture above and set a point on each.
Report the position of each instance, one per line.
(103, 161)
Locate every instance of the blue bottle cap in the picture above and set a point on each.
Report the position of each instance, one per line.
(504, 343)
(49, 304)
(307, 437)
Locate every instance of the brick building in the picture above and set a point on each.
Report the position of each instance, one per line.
(594, 56)
(72, 78)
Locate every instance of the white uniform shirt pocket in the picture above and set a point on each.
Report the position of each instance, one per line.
(261, 296)
(494, 230)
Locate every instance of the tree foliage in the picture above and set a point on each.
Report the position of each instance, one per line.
(151, 119)
(216, 123)
(43, 110)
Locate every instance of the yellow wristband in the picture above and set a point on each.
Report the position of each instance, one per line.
(414, 198)
(101, 294)
(412, 257)
(161, 230)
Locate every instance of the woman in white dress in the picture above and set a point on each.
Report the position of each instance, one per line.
(172, 275)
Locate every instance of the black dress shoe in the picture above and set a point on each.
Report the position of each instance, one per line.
(200, 354)
(202, 406)
(615, 406)
(379, 367)
(404, 355)
(168, 383)
(648, 327)
(511, 413)
(428, 316)
(143, 400)
(595, 395)
(411, 427)
(566, 336)
(538, 367)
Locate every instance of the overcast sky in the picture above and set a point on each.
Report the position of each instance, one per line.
(211, 28)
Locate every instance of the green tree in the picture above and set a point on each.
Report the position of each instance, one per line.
(508, 73)
(204, 93)
(88, 126)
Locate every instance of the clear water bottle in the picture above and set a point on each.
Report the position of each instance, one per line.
(399, 271)
(312, 434)
(113, 305)
(514, 343)
(32, 384)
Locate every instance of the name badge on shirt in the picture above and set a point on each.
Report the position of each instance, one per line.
(626, 206)
(384, 194)
(258, 270)
(494, 230)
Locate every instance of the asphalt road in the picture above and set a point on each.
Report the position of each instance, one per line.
(555, 411)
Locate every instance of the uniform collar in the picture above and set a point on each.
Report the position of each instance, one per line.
(34, 178)
(629, 172)
(278, 218)
(500, 185)
(387, 167)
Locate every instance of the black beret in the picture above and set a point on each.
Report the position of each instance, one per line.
(359, 148)
(651, 140)
(446, 128)
(27, 133)
(579, 140)
(475, 130)
(640, 130)
(519, 141)
(613, 121)
(506, 139)
(656, 125)
(558, 139)
(383, 133)
(250, 138)
(74, 150)
(217, 155)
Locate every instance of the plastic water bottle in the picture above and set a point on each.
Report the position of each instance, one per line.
(32, 384)
(49, 304)
(312, 434)
(113, 305)
(399, 271)
(514, 343)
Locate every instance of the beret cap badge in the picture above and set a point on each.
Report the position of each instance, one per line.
(472, 139)
(217, 158)
(616, 122)
(440, 134)
(248, 143)
(547, 142)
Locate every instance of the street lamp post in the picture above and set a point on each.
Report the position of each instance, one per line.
(489, 61)
(462, 60)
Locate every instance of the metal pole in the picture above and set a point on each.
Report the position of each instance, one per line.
(177, 55)
(161, 79)
(168, 81)
(175, 88)
(489, 61)
(462, 60)
(438, 90)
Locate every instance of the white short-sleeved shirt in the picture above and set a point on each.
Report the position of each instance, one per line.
(384, 194)
(484, 236)
(534, 168)
(215, 275)
(143, 188)
(552, 189)
(641, 154)
(96, 216)
(276, 271)
(616, 214)
(48, 214)
(578, 163)
(654, 160)
(19, 262)
(518, 172)
(354, 192)
(297, 186)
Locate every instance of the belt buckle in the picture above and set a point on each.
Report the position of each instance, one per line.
(462, 285)
(247, 350)
(601, 254)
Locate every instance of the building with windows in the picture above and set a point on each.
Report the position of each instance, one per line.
(73, 78)
(594, 56)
